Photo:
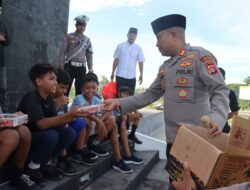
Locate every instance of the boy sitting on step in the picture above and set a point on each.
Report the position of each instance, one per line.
(104, 123)
(50, 136)
(125, 120)
(14, 146)
(81, 153)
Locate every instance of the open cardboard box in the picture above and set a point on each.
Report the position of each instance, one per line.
(215, 162)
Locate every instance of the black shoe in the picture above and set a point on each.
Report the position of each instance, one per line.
(133, 160)
(98, 150)
(35, 175)
(49, 170)
(65, 167)
(23, 182)
(122, 167)
(88, 154)
(135, 139)
(80, 158)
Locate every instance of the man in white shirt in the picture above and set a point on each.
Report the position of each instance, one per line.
(126, 57)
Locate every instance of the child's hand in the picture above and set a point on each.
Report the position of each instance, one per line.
(19, 113)
(61, 101)
(78, 112)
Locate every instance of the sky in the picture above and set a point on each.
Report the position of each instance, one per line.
(220, 26)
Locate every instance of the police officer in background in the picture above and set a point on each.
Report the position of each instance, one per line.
(189, 81)
(233, 104)
(75, 52)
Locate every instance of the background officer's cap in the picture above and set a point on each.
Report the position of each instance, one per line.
(168, 21)
(132, 31)
(81, 19)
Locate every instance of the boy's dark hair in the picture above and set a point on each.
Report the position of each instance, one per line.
(222, 71)
(63, 77)
(39, 70)
(125, 89)
(90, 77)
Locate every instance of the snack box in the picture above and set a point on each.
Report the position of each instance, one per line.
(13, 120)
(93, 108)
(214, 162)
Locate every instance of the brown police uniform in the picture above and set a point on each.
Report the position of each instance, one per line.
(190, 82)
(191, 85)
(76, 51)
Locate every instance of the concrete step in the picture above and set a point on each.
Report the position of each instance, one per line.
(116, 180)
(85, 177)
(157, 178)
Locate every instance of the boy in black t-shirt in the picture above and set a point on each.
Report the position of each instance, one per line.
(49, 134)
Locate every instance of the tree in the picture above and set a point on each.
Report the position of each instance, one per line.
(247, 80)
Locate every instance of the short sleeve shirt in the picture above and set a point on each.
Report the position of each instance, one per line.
(81, 101)
(128, 55)
(37, 108)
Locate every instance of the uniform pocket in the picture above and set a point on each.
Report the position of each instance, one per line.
(183, 88)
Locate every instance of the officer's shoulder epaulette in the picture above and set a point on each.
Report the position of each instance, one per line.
(203, 53)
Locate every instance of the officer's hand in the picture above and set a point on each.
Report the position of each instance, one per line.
(111, 104)
(187, 183)
(214, 130)
(140, 79)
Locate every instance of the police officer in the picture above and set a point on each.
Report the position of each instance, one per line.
(75, 52)
(189, 81)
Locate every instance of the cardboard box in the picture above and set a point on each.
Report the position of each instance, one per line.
(13, 120)
(214, 162)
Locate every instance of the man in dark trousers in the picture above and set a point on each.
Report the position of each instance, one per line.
(4, 41)
(233, 105)
(76, 52)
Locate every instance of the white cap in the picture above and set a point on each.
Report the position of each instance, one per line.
(82, 19)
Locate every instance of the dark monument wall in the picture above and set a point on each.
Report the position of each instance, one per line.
(36, 29)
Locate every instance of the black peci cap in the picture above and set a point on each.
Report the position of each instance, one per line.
(168, 21)
(132, 31)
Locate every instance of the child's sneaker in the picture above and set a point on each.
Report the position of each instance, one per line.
(23, 182)
(88, 154)
(35, 175)
(49, 170)
(65, 167)
(96, 149)
(134, 139)
(122, 167)
(80, 158)
(133, 160)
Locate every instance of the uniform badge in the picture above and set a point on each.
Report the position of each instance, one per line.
(206, 58)
(186, 64)
(211, 67)
(182, 93)
(163, 80)
(182, 81)
(182, 52)
(191, 56)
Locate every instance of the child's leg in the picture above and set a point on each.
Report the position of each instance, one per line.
(9, 140)
(135, 119)
(23, 147)
(112, 129)
(66, 136)
(88, 130)
(124, 137)
(79, 126)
